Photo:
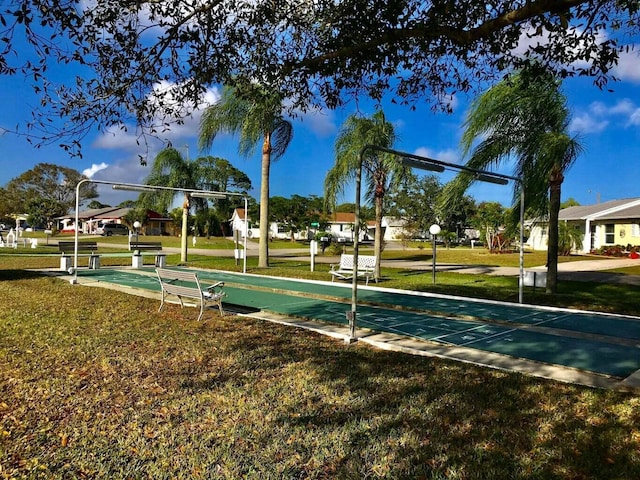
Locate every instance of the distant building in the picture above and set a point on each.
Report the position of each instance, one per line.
(92, 219)
(616, 222)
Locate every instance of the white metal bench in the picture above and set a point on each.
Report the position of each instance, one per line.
(85, 249)
(155, 247)
(186, 285)
(345, 271)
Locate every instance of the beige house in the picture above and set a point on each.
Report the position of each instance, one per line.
(616, 222)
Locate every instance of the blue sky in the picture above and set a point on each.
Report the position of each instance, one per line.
(608, 124)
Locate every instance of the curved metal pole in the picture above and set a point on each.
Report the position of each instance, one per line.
(356, 250)
(74, 280)
(246, 234)
(521, 274)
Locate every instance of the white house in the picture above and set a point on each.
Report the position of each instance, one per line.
(616, 222)
(341, 227)
(239, 220)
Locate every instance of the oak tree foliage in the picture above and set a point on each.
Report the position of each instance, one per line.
(149, 63)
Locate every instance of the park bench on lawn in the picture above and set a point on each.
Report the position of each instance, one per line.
(187, 285)
(345, 271)
(156, 247)
(85, 249)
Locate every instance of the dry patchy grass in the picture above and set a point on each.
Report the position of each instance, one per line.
(96, 384)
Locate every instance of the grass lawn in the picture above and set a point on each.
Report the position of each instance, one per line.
(96, 384)
(589, 296)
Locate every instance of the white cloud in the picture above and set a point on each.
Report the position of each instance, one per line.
(448, 155)
(320, 121)
(530, 39)
(634, 118)
(451, 101)
(628, 67)
(586, 123)
(117, 138)
(93, 169)
(623, 107)
(599, 116)
(126, 137)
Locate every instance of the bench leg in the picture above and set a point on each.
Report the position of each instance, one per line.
(65, 263)
(161, 260)
(94, 262)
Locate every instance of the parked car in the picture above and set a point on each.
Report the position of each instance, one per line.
(109, 229)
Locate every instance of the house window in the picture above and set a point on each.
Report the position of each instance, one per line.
(635, 229)
(609, 233)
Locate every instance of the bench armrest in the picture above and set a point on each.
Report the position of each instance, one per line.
(217, 285)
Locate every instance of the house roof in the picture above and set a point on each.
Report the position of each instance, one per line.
(110, 213)
(342, 217)
(611, 210)
(89, 213)
(239, 213)
(114, 213)
(346, 217)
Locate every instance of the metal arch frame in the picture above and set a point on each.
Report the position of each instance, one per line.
(425, 163)
(140, 187)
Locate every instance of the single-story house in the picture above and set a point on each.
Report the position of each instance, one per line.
(87, 218)
(91, 219)
(340, 225)
(616, 222)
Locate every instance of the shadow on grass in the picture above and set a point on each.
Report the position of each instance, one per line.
(6, 275)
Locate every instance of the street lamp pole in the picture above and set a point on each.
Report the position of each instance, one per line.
(434, 230)
(424, 163)
(356, 251)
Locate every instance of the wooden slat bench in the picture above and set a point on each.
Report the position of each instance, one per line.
(85, 249)
(345, 271)
(187, 285)
(160, 258)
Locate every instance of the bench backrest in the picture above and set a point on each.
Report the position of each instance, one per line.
(175, 282)
(145, 246)
(365, 262)
(83, 247)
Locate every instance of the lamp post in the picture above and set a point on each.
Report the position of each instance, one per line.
(434, 230)
(136, 227)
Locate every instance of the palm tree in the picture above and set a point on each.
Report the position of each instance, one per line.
(569, 238)
(256, 116)
(381, 170)
(524, 119)
(171, 169)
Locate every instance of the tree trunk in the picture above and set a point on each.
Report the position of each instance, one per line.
(263, 253)
(555, 183)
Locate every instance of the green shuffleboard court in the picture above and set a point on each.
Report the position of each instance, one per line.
(597, 343)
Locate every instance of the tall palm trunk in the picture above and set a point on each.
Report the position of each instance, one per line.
(263, 253)
(555, 183)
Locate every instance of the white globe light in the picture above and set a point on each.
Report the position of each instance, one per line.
(137, 224)
(434, 229)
